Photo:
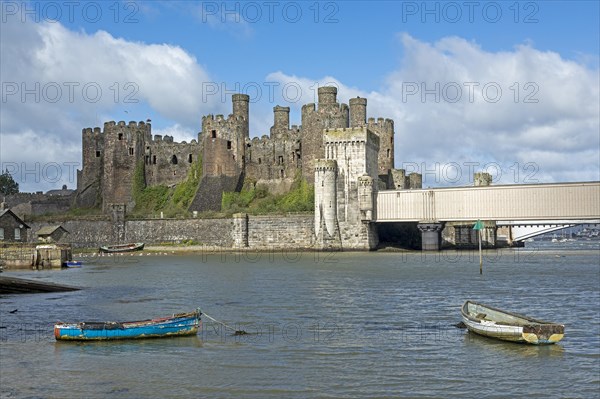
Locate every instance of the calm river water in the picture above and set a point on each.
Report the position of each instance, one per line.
(343, 325)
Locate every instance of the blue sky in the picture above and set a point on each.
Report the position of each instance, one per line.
(433, 67)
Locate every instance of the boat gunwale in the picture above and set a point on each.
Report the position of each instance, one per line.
(465, 313)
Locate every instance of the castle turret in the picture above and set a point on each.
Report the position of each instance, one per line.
(281, 117)
(241, 109)
(327, 98)
(365, 197)
(326, 222)
(385, 130)
(354, 152)
(482, 179)
(358, 112)
(329, 115)
(241, 105)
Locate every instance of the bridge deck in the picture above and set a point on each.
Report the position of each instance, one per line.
(559, 201)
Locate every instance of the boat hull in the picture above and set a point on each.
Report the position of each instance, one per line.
(495, 323)
(177, 325)
(138, 246)
(71, 264)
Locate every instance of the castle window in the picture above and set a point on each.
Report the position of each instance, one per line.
(280, 159)
(259, 161)
(153, 159)
(174, 173)
(391, 140)
(174, 159)
(213, 134)
(130, 150)
(190, 159)
(147, 159)
(97, 154)
(228, 145)
(282, 175)
(120, 136)
(388, 153)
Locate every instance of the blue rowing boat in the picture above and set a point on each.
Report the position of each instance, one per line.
(72, 263)
(174, 326)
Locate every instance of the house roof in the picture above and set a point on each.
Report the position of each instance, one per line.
(18, 219)
(48, 230)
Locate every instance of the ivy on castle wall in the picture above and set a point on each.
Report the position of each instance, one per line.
(185, 192)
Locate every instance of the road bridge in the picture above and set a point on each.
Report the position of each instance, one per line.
(533, 204)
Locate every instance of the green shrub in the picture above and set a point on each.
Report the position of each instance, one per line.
(172, 202)
(257, 199)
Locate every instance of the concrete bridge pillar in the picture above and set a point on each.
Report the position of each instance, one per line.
(430, 235)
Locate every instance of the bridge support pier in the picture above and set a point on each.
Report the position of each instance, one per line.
(430, 235)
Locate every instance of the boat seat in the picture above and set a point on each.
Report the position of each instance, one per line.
(481, 316)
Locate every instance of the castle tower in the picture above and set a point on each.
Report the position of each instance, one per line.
(241, 108)
(90, 175)
(327, 96)
(354, 151)
(358, 112)
(329, 115)
(241, 105)
(326, 226)
(384, 128)
(365, 198)
(124, 152)
(281, 120)
(223, 155)
(482, 179)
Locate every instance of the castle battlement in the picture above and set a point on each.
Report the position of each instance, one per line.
(111, 125)
(381, 123)
(360, 134)
(322, 165)
(112, 154)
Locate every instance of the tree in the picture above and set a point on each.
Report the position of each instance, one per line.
(7, 184)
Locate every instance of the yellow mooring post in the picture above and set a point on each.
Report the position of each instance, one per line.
(479, 227)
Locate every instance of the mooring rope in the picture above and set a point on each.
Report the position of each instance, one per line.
(236, 332)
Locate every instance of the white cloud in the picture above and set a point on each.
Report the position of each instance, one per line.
(445, 101)
(559, 133)
(56, 81)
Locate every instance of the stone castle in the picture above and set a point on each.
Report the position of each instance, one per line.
(228, 155)
(346, 156)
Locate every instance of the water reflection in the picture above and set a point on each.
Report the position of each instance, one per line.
(126, 346)
(479, 342)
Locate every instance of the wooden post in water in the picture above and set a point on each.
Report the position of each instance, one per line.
(479, 227)
(480, 255)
